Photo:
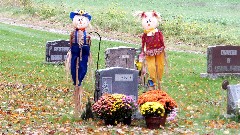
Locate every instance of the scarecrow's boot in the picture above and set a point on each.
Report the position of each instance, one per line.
(151, 85)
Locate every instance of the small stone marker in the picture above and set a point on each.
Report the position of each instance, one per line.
(120, 57)
(56, 51)
(222, 61)
(116, 80)
(233, 95)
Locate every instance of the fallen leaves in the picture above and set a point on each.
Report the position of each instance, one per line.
(38, 109)
(216, 123)
(233, 125)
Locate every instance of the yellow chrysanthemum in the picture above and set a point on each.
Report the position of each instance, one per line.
(152, 109)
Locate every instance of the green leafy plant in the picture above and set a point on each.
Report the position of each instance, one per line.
(88, 114)
(47, 11)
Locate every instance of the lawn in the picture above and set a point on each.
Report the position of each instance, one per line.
(191, 24)
(37, 97)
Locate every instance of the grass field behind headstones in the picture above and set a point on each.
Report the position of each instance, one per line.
(191, 23)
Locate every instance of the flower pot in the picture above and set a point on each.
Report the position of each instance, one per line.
(109, 121)
(127, 121)
(155, 122)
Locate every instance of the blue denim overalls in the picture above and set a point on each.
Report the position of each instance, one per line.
(83, 59)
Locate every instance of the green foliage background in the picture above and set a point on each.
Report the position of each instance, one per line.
(194, 22)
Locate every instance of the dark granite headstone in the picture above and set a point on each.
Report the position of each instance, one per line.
(116, 80)
(120, 57)
(222, 61)
(233, 95)
(56, 51)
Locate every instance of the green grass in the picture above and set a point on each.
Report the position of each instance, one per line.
(196, 23)
(22, 52)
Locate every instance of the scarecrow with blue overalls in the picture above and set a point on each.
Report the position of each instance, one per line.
(79, 54)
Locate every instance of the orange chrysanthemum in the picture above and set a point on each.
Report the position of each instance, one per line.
(158, 96)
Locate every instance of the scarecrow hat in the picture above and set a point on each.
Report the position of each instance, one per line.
(81, 13)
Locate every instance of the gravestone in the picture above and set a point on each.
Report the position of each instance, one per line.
(116, 80)
(120, 57)
(233, 95)
(56, 51)
(222, 61)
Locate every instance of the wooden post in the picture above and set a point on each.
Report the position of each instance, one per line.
(77, 93)
(159, 87)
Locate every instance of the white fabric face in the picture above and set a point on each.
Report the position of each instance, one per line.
(80, 22)
(149, 21)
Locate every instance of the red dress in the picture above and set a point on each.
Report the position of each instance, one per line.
(154, 44)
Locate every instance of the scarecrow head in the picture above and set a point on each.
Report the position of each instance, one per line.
(150, 20)
(81, 19)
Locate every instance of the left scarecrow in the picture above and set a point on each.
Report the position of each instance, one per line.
(79, 55)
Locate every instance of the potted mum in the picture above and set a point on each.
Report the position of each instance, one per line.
(161, 97)
(115, 108)
(154, 114)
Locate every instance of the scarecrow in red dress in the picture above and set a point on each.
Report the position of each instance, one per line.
(153, 48)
